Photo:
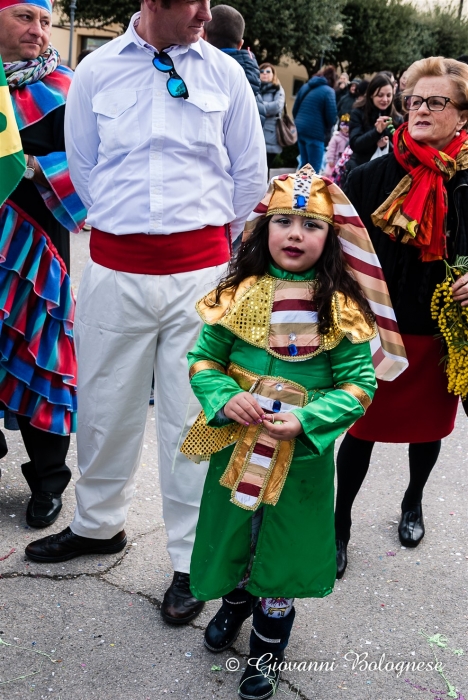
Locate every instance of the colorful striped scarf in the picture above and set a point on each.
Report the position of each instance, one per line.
(416, 210)
(21, 73)
(34, 101)
(61, 199)
(37, 88)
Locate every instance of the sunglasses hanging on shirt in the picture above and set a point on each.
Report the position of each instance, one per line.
(176, 87)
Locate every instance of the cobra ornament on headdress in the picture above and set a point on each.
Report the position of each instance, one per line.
(306, 194)
(43, 4)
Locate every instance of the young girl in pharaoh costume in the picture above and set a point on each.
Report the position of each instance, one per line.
(37, 356)
(282, 367)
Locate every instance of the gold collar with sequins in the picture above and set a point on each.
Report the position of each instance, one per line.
(278, 316)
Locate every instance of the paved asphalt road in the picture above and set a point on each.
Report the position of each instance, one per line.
(91, 628)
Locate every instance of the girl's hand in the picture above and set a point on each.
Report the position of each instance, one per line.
(382, 123)
(289, 428)
(460, 290)
(381, 143)
(244, 409)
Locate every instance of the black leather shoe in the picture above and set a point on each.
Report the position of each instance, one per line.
(179, 606)
(261, 677)
(43, 509)
(224, 628)
(66, 545)
(411, 527)
(341, 558)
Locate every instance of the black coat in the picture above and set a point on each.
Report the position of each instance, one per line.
(345, 104)
(40, 139)
(363, 136)
(411, 282)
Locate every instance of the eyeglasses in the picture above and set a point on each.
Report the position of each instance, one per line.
(434, 103)
(266, 70)
(175, 85)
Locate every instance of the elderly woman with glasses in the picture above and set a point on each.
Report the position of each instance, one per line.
(414, 203)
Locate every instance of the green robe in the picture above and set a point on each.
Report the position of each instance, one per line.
(295, 554)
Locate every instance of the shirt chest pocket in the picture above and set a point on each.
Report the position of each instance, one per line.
(117, 121)
(203, 120)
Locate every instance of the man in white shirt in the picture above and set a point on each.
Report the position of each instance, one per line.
(166, 150)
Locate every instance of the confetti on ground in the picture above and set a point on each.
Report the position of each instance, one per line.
(216, 668)
(34, 651)
(12, 551)
(391, 554)
(441, 641)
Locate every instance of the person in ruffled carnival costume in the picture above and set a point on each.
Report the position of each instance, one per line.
(282, 367)
(37, 356)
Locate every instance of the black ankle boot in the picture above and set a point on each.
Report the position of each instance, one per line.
(411, 528)
(341, 558)
(224, 628)
(268, 640)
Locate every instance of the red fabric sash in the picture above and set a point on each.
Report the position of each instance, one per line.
(426, 201)
(140, 253)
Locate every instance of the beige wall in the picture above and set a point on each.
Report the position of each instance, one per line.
(61, 37)
(288, 71)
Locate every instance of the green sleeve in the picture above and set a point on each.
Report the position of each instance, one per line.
(327, 416)
(211, 387)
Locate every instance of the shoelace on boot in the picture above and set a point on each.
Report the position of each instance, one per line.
(182, 582)
(266, 673)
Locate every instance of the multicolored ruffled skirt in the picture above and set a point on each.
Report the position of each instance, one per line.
(37, 354)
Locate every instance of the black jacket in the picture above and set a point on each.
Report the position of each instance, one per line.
(363, 136)
(411, 282)
(252, 72)
(345, 104)
(40, 139)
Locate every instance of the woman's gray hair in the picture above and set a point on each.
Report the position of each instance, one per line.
(440, 67)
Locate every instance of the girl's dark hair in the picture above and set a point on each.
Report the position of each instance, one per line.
(378, 81)
(332, 274)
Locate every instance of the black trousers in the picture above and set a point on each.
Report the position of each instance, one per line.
(46, 470)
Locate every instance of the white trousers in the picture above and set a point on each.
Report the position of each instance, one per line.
(128, 325)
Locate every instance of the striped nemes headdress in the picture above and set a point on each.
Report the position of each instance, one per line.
(43, 4)
(306, 194)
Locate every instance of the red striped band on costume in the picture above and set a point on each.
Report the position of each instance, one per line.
(388, 350)
(294, 320)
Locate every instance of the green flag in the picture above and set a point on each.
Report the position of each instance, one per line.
(12, 163)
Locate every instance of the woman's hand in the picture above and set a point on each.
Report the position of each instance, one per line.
(460, 290)
(381, 143)
(289, 428)
(244, 409)
(382, 123)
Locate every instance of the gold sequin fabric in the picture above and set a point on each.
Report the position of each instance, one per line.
(249, 318)
(247, 312)
(202, 441)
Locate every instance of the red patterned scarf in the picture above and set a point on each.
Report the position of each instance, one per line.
(416, 210)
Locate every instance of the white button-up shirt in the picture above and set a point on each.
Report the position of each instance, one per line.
(145, 162)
